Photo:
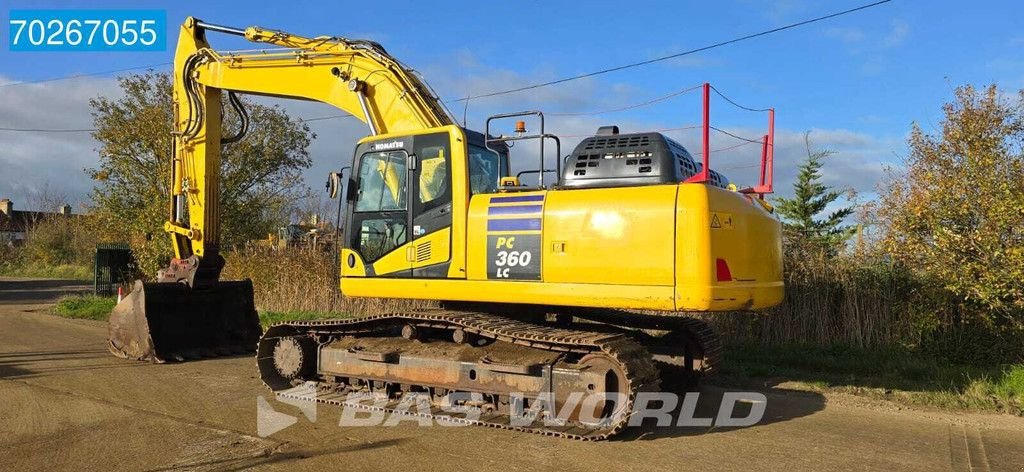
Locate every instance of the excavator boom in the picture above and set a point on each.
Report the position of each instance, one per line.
(189, 312)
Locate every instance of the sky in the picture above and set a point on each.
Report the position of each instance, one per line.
(856, 82)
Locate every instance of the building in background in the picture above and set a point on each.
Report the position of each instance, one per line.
(15, 223)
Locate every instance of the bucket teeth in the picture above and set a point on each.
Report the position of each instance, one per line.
(161, 322)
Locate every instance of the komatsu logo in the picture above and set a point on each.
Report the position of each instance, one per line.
(388, 146)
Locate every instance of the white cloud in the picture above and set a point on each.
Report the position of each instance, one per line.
(870, 45)
(857, 163)
(860, 40)
(847, 35)
(898, 32)
(781, 10)
(31, 162)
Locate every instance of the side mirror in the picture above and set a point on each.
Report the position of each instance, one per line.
(333, 185)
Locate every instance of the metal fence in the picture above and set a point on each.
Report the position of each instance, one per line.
(113, 266)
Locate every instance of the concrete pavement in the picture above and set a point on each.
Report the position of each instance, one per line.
(66, 404)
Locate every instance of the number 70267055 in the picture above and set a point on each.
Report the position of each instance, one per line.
(87, 30)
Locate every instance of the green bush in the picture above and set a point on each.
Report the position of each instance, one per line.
(955, 214)
(60, 240)
(58, 247)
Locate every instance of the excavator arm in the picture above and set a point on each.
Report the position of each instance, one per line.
(189, 312)
(356, 76)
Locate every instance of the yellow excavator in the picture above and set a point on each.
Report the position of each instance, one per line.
(578, 285)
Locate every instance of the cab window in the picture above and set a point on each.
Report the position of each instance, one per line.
(382, 181)
(433, 173)
(380, 214)
(486, 167)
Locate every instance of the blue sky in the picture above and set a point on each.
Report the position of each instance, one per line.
(857, 81)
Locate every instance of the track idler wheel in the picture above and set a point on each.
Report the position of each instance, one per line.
(285, 357)
(606, 378)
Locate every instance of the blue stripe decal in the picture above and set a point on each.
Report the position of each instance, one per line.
(518, 199)
(519, 224)
(515, 210)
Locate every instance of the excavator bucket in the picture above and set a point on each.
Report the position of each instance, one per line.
(163, 322)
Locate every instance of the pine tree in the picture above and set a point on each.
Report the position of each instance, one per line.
(801, 214)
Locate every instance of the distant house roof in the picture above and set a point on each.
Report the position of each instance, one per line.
(18, 221)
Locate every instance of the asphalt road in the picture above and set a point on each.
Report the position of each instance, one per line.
(66, 404)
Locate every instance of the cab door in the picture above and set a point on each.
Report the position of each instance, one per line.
(378, 223)
(399, 220)
(431, 206)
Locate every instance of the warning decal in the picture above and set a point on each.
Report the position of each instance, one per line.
(721, 220)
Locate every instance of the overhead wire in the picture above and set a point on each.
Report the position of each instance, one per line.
(192, 124)
(329, 117)
(749, 140)
(45, 130)
(659, 130)
(538, 85)
(737, 167)
(86, 74)
(737, 105)
(630, 107)
(732, 147)
(676, 55)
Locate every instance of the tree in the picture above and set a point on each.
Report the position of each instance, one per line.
(260, 179)
(957, 212)
(800, 214)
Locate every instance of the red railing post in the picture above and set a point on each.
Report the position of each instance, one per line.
(707, 132)
(771, 151)
(703, 175)
(764, 161)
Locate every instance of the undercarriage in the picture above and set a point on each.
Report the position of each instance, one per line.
(574, 376)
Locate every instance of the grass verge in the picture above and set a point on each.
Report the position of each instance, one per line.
(92, 307)
(898, 375)
(64, 271)
(89, 307)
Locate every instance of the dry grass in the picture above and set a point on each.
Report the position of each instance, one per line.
(844, 300)
(866, 302)
(851, 300)
(301, 280)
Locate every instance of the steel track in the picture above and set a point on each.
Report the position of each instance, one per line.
(630, 356)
